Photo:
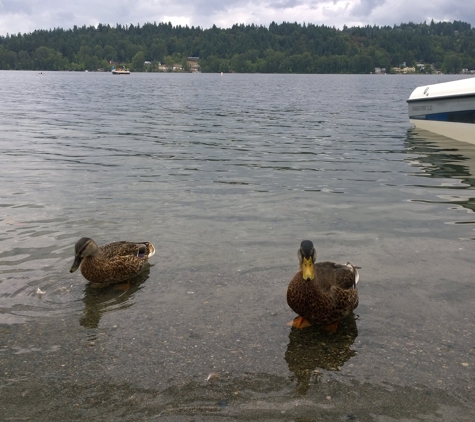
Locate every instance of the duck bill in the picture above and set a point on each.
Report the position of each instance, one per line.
(308, 269)
(76, 264)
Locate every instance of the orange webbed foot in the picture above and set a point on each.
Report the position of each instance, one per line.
(331, 328)
(299, 322)
(122, 287)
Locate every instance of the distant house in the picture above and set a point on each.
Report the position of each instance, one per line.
(403, 69)
(193, 64)
(147, 63)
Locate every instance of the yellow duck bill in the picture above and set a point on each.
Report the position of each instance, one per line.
(308, 269)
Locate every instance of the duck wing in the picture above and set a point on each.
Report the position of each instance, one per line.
(127, 250)
(329, 274)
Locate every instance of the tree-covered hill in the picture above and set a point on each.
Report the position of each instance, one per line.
(279, 48)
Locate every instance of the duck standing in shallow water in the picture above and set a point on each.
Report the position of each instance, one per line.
(111, 263)
(321, 293)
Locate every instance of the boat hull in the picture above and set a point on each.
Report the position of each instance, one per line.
(464, 132)
(447, 109)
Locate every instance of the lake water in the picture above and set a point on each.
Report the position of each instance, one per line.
(226, 175)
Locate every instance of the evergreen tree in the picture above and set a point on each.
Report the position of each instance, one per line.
(279, 48)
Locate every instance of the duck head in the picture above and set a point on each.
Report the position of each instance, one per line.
(84, 247)
(307, 257)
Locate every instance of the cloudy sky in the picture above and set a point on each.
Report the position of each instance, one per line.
(27, 15)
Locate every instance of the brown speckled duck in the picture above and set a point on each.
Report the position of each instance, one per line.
(321, 293)
(112, 263)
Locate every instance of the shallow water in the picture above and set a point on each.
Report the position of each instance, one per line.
(226, 175)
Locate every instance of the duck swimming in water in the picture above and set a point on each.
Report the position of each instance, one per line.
(112, 263)
(321, 293)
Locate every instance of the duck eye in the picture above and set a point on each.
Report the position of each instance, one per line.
(142, 251)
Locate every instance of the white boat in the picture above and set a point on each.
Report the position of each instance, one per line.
(447, 109)
(120, 71)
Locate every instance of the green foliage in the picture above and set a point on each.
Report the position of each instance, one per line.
(45, 58)
(452, 63)
(158, 50)
(279, 48)
(138, 62)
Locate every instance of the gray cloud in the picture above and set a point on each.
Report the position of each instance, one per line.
(366, 7)
(27, 15)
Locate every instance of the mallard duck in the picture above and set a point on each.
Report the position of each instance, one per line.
(111, 263)
(321, 293)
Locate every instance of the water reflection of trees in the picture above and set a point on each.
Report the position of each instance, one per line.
(98, 301)
(442, 158)
(313, 348)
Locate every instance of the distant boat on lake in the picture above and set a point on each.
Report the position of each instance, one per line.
(447, 109)
(121, 71)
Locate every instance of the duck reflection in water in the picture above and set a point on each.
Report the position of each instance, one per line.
(315, 348)
(110, 298)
